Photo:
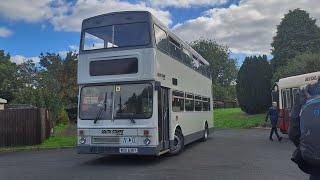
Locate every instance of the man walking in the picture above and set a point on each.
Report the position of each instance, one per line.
(273, 115)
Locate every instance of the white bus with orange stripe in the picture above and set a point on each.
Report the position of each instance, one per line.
(283, 93)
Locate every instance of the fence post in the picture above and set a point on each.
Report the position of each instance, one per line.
(42, 119)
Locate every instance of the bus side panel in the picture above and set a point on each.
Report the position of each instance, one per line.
(188, 81)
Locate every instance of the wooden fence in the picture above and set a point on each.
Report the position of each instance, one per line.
(224, 104)
(28, 126)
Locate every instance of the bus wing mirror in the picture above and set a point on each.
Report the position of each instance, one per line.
(157, 86)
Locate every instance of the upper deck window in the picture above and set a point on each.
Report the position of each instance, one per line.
(115, 36)
(161, 38)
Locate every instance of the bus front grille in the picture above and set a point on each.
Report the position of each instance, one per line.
(106, 140)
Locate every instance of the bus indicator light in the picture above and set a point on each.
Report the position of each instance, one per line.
(146, 132)
(81, 132)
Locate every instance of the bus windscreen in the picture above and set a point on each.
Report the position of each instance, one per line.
(116, 36)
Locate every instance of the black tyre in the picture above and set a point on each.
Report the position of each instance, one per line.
(205, 133)
(178, 143)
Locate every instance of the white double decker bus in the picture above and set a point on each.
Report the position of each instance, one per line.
(142, 90)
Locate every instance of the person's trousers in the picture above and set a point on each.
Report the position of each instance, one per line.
(314, 177)
(274, 130)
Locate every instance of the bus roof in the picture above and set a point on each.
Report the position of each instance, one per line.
(116, 18)
(123, 17)
(299, 80)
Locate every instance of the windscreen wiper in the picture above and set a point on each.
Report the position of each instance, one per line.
(101, 109)
(130, 116)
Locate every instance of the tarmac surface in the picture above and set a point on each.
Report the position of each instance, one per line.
(228, 154)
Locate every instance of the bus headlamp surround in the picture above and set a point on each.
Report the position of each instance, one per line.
(82, 140)
(147, 141)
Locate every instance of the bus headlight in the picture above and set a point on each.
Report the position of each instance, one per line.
(147, 141)
(82, 140)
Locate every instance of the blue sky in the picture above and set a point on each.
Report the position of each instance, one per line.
(28, 28)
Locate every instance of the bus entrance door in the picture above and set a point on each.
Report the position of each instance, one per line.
(163, 118)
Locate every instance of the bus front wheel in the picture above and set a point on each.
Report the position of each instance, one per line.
(178, 143)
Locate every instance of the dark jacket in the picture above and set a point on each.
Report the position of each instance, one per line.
(273, 114)
(294, 134)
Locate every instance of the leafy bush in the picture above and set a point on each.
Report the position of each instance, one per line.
(254, 85)
(62, 117)
(302, 64)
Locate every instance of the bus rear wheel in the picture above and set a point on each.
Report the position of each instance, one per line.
(178, 143)
(205, 133)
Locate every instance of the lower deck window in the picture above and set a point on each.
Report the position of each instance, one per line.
(189, 102)
(177, 101)
(206, 104)
(198, 106)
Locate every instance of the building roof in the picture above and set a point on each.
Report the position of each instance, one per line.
(3, 101)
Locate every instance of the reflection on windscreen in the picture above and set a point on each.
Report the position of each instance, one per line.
(133, 101)
(93, 99)
(122, 35)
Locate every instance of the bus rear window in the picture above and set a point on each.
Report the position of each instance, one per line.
(115, 36)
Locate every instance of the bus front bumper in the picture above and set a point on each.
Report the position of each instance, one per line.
(86, 149)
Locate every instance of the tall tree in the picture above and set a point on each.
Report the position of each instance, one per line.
(301, 64)
(58, 81)
(50, 84)
(297, 33)
(69, 79)
(223, 69)
(254, 85)
(27, 74)
(8, 79)
(28, 80)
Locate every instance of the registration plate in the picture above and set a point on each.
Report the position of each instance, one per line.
(129, 140)
(128, 150)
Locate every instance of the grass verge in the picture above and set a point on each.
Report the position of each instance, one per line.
(235, 118)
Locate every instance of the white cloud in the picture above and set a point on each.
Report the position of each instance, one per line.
(27, 10)
(71, 21)
(185, 3)
(247, 27)
(19, 59)
(68, 16)
(5, 32)
(73, 48)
